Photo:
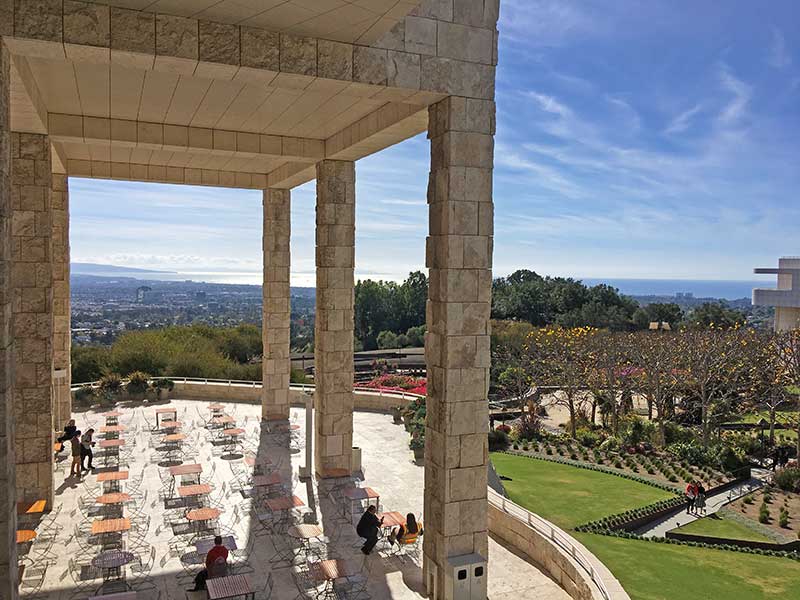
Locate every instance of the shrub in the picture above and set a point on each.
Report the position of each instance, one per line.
(138, 382)
(587, 438)
(85, 394)
(788, 479)
(763, 513)
(549, 450)
(525, 447)
(110, 386)
(504, 428)
(618, 464)
(783, 519)
(748, 499)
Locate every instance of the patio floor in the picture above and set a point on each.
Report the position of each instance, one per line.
(388, 468)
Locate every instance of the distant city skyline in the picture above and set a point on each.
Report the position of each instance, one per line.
(633, 141)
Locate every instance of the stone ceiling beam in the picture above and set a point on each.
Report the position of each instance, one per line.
(29, 114)
(179, 138)
(422, 55)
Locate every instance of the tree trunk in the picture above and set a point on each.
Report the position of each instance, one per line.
(649, 409)
(704, 422)
(594, 408)
(772, 426)
(572, 428)
(662, 432)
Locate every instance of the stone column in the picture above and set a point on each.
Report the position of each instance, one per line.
(32, 307)
(62, 377)
(333, 332)
(459, 257)
(276, 312)
(8, 513)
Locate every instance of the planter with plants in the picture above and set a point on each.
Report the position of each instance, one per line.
(397, 414)
(162, 387)
(137, 386)
(110, 387)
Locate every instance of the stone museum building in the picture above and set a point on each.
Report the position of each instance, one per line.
(265, 96)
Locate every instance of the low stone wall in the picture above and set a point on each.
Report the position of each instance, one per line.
(552, 559)
(707, 539)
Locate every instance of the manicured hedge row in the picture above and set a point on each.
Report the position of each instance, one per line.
(620, 520)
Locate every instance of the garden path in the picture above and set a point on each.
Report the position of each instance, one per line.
(713, 503)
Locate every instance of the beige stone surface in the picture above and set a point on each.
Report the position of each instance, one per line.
(333, 332)
(31, 287)
(8, 515)
(276, 310)
(62, 377)
(459, 252)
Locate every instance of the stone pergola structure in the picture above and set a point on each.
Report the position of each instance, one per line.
(786, 297)
(262, 96)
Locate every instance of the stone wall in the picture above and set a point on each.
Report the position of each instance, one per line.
(8, 514)
(276, 365)
(62, 376)
(32, 307)
(459, 257)
(333, 331)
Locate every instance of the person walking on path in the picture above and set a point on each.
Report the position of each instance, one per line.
(368, 527)
(76, 448)
(69, 431)
(86, 449)
(691, 495)
(700, 501)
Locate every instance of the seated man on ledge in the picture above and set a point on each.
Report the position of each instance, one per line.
(216, 565)
(368, 528)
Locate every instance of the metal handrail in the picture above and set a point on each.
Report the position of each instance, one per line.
(558, 537)
(301, 386)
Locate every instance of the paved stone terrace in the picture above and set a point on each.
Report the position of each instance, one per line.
(388, 468)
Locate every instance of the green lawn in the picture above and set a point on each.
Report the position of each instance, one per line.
(650, 571)
(569, 496)
(719, 526)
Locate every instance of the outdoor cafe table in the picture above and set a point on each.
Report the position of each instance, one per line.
(194, 491)
(111, 448)
(330, 570)
(223, 420)
(166, 411)
(171, 424)
(112, 478)
(305, 532)
(205, 544)
(31, 508)
(359, 494)
(113, 429)
(116, 596)
(25, 535)
(392, 519)
(273, 478)
(233, 586)
(103, 526)
(216, 407)
(283, 503)
(174, 438)
(112, 561)
(201, 516)
(112, 416)
(184, 470)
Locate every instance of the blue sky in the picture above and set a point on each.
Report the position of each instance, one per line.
(634, 139)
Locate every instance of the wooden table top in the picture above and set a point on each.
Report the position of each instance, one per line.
(113, 498)
(25, 535)
(31, 508)
(171, 424)
(199, 489)
(335, 473)
(116, 596)
(193, 469)
(392, 519)
(326, 570)
(112, 429)
(112, 476)
(231, 586)
(223, 420)
(113, 559)
(203, 514)
(361, 493)
(233, 432)
(267, 480)
(305, 531)
(110, 525)
(175, 437)
(166, 411)
(112, 414)
(216, 407)
(251, 461)
(111, 443)
(284, 503)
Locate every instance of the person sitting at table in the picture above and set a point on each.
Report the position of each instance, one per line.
(407, 534)
(69, 431)
(76, 448)
(368, 528)
(216, 565)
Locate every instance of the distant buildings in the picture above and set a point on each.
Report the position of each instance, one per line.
(786, 297)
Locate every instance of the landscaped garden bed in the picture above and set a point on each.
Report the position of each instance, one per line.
(774, 509)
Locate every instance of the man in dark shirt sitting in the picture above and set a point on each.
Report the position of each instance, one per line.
(368, 527)
(216, 557)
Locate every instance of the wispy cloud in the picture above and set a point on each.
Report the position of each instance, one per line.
(736, 108)
(681, 122)
(778, 56)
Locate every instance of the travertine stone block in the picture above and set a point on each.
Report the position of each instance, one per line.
(403, 70)
(38, 19)
(450, 76)
(394, 39)
(436, 9)
(6, 19)
(459, 256)
(260, 48)
(420, 35)
(87, 23)
(8, 514)
(62, 379)
(276, 312)
(370, 65)
(335, 60)
(333, 346)
(32, 309)
(177, 37)
(462, 42)
(133, 30)
(298, 55)
(219, 43)
(481, 13)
